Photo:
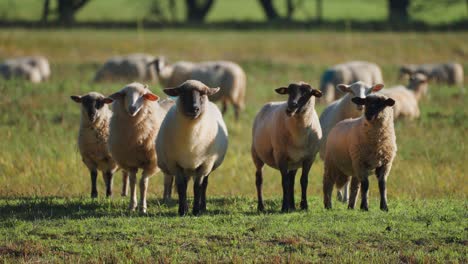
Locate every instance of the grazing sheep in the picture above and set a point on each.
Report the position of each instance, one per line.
(133, 130)
(39, 62)
(229, 77)
(133, 67)
(342, 109)
(348, 73)
(192, 141)
(286, 136)
(172, 75)
(449, 73)
(406, 99)
(92, 140)
(356, 146)
(15, 69)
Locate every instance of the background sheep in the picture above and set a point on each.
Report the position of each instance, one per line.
(133, 130)
(172, 75)
(15, 69)
(92, 140)
(356, 146)
(286, 136)
(39, 62)
(342, 109)
(348, 73)
(407, 99)
(133, 67)
(450, 73)
(192, 141)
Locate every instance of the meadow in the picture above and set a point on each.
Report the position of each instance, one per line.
(46, 213)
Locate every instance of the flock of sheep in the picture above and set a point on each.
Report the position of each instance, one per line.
(187, 138)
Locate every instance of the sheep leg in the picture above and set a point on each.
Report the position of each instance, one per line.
(197, 193)
(108, 179)
(343, 193)
(94, 192)
(285, 184)
(355, 185)
(365, 194)
(124, 183)
(168, 181)
(181, 182)
(236, 111)
(224, 109)
(304, 182)
(292, 178)
(381, 174)
(133, 195)
(143, 191)
(259, 181)
(203, 194)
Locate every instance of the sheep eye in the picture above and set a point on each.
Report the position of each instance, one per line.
(99, 104)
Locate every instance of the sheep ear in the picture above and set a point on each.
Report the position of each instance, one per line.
(389, 102)
(76, 98)
(344, 88)
(359, 100)
(282, 90)
(116, 96)
(107, 100)
(212, 91)
(316, 93)
(377, 87)
(172, 91)
(150, 96)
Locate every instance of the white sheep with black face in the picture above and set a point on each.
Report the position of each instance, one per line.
(133, 129)
(357, 146)
(449, 73)
(192, 142)
(92, 140)
(286, 136)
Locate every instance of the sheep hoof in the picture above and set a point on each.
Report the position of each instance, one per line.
(261, 208)
(123, 194)
(384, 208)
(364, 208)
(304, 205)
(94, 195)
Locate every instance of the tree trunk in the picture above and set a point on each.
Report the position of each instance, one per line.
(269, 9)
(398, 11)
(67, 10)
(289, 9)
(319, 7)
(45, 11)
(197, 12)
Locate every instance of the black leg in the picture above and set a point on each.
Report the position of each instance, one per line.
(381, 174)
(108, 178)
(94, 192)
(182, 191)
(364, 194)
(292, 178)
(304, 182)
(285, 184)
(203, 194)
(259, 184)
(197, 189)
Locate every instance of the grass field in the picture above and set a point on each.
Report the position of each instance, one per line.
(46, 215)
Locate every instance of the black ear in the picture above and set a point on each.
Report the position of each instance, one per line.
(172, 91)
(115, 96)
(76, 98)
(359, 100)
(282, 90)
(389, 102)
(316, 93)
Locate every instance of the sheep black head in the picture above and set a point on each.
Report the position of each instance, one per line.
(299, 95)
(360, 89)
(375, 105)
(133, 97)
(92, 104)
(193, 96)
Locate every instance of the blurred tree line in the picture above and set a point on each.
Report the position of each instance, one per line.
(197, 10)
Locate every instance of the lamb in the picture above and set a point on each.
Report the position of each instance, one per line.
(348, 73)
(356, 146)
(192, 141)
(450, 73)
(172, 75)
(407, 98)
(132, 67)
(286, 136)
(15, 69)
(92, 140)
(133, 130)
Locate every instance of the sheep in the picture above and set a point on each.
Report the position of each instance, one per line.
(172, 75)
(192, 141)
(133, 130)
(407, 99)
(450, 73)
(229, 76)
(348, 73)
(132, 67)
(92, 140)
(39, 62)
(15, 69)
(286, 136)
(342, 109)
(356, 146)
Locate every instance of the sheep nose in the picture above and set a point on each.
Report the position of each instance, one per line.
(196, 109)
(294, 104)
(132, 109)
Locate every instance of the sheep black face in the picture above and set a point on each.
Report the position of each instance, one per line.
(193, 96)
(375, 104)
(133, 96)
(91, 104)
(299, 96)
